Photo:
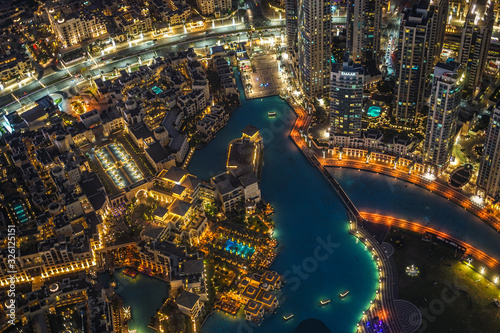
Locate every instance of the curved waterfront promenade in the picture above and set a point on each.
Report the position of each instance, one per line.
(383, 305)
(456, 196)
(416, 227)
(307, 211)
(385, 295)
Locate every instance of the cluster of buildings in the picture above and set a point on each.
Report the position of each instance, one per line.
(64, 215)
(240, 182)
(256, 293)
(54, 199)
(153, 102)
(66, 181)
(423, 78)
(75, 22)
(68, 302)
(14, 65)
(214, 7)
(70, 24)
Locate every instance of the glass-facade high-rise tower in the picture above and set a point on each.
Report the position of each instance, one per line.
(311, 21)
(363, 29)
(476, 36)
(488, 178)
(447, 86)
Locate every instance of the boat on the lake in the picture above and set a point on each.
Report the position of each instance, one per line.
(130, 272)
(325, 302)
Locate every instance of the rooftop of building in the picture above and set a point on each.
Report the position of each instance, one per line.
(192, 266)
(187, 299)
(157, 152)
(168, 248)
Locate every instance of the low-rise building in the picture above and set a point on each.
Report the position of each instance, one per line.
(232, 190)
(373, 140)
(14, 65)
(132, 21)
(72, 28)
(158, 156)
(190, 304)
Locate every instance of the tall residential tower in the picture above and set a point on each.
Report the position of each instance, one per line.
(446, 95)
(291, 25)
(476, 36)
(411, 66)
(346, 99)
(363, 29)
(312, 61)
(439, 10)
(488, 178)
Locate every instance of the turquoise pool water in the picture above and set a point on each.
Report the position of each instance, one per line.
(144, 295)
(239, 249)
(157, 90)
(20, 213)
(374, 111)
(308, 213)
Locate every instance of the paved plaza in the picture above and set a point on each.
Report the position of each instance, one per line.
(266, 79)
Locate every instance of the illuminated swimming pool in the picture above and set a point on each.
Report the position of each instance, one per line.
(156, 90)
(242, 250)
(119, 165)
(20, 212)
(374, 111)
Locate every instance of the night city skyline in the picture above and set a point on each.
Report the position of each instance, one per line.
(236, 166)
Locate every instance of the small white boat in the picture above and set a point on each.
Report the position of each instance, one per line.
(325, 302)
(288, 316)
(344, 294)
(271, 114)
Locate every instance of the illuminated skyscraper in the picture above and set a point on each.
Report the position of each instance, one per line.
(447, 86)
(291, 25)
(439, 9)
(346, 99)
(476, 36)
(310, 27)
(413, 46)
(488, 178)
(363, 29)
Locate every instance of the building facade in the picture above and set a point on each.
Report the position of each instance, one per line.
(488, 178)
(363, 28)
(74, 28)
(291, 25)
(413, 46)
(346, 99)
(476, 36)
(439, 11)
(209, 7)
(313, 47)
(446, 95)
(133, 22)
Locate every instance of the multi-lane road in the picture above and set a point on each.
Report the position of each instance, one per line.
(126, 53)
